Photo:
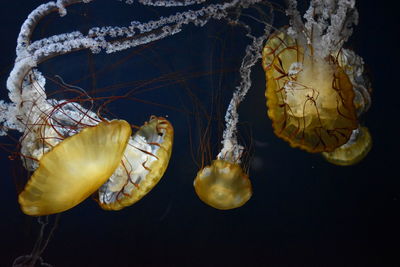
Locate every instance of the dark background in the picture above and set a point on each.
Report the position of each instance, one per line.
(304, 211)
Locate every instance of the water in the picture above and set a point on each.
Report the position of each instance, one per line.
(304, 211)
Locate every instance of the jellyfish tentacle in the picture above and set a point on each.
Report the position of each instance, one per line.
(29, 55)
(35, 258)
(231, 150)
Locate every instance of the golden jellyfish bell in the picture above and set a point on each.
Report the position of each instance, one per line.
(223, 185)
(144, 162)
(309, 99)
(358, 146)
(75, 168)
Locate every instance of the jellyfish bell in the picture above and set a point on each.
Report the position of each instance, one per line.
(355, 150)
(360, 141)
(309, 99)
(353, 66)
(223, 185)
(75, 168)
(313, 98)
(144, 162)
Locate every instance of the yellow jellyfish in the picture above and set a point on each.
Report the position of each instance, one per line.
(144, 162)
(360, 142)
(309, 99)
(358, 146)
(75, 168)
(224, 184)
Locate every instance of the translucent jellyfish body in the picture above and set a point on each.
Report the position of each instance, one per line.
(309, 99)
(223, 185)
(144, 162)
(360, 142)
(358, 146)
(75, 168)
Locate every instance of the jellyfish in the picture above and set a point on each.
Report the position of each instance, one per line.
(75, 168)
(360, 141)
(352, 152)
(143, 165)
(315, 90)
(224, 184)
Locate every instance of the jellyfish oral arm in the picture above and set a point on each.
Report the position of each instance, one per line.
(29, 55)
(231, 150)
(328, 25)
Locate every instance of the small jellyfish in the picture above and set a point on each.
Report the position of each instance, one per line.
(358, 146)
(75, 168)
(224, 184)
(144, 162)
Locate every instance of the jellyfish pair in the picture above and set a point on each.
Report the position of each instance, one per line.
(103, 159)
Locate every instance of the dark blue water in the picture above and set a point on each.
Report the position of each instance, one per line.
(304, 211)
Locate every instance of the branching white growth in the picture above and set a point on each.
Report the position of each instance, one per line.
(30, 55)
(296, 24)
(231, 150)
(328, 25)
(167, 3)
(61, 8)
(128, 175)
(31, 109)
(8, 118)
(51, 127)
(295, 68)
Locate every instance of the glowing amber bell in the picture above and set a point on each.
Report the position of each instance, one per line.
(143, 165)
(309, 100)
(75, 168)
(353, 151)
(223, 185)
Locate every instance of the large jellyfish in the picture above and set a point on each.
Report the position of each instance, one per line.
(75, 168)
(316, 89)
